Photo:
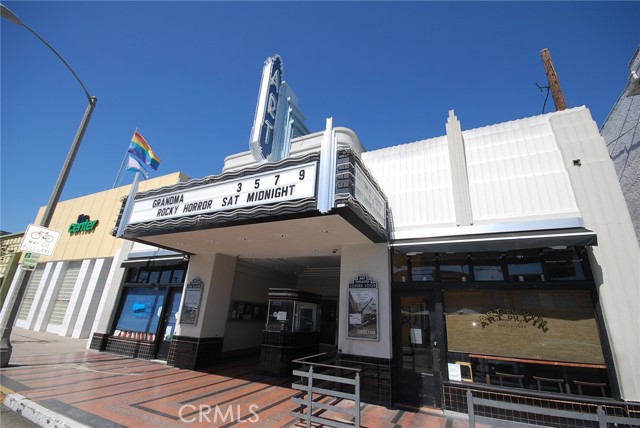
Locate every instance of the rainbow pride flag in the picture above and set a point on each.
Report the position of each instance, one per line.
(143, 152)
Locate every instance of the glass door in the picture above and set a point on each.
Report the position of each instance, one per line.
(416, 350)
(169, 321)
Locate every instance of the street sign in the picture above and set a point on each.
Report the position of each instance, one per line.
(30, 261)
(39, 240)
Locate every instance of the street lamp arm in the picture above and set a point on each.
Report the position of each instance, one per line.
(7, 13)
(12, 302)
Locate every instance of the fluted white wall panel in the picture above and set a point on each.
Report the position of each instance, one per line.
(416, 178)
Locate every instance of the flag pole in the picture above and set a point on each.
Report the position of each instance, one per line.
(124, 161)
(128, 206)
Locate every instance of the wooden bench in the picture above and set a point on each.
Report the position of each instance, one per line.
(513, 377)
(540, 380)
(601, 385)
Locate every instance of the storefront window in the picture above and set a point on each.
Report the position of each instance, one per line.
(143, 299)
(487, 267)
(518, 337)
(140, 311)
(423, 267)
(525, 266)
(143, 276)
(534, 265)
(156, 275)
(454, 267)
(165, 277)
(400, 267)
(177, 275)
(564, 265)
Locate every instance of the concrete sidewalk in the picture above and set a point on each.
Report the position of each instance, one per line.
(55, 382)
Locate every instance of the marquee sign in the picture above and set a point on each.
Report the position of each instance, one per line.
(264, 125)
(370, 197)
(285, 184)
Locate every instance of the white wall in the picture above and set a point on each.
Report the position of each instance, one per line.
(373, 261)
(615, 260)
(109, 298)
(217, 272)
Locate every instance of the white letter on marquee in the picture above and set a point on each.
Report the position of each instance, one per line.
(275, 80)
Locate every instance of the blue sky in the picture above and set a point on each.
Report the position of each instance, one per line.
(186, 74)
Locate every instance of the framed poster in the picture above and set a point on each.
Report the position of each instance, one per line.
(363, 309)
(247, 311)
(191, 304)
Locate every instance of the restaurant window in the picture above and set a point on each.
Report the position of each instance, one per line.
(454, 267)
(517, 266)
(564, 265)
(524, 266)
(400, 267)
(487, 267)
(423, 267)
(534, 339)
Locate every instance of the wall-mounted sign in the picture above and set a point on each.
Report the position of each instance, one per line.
(294, 182)
(191, 304)
(370, 198)
(363, 309)
(278, 118)
(39, 240)
(84, 224)
(264, 124)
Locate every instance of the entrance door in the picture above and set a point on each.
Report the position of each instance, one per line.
(169, 321)
(416, 350)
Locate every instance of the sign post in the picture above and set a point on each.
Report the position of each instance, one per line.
(30, 261)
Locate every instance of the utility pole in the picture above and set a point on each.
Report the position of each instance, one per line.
(552, 78)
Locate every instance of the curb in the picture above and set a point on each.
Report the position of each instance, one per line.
(35, 412)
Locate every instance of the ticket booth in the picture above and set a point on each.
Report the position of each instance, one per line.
(292, 330)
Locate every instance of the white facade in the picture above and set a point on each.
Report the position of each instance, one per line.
(545, 172)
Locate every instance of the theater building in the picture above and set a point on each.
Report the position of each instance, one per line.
(500, 258)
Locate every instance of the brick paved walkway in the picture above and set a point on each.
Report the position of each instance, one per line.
(105, 390)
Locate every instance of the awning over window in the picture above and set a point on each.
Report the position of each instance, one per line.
(154, 262)
(521, 240)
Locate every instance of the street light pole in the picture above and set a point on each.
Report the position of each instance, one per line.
(12, 303)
